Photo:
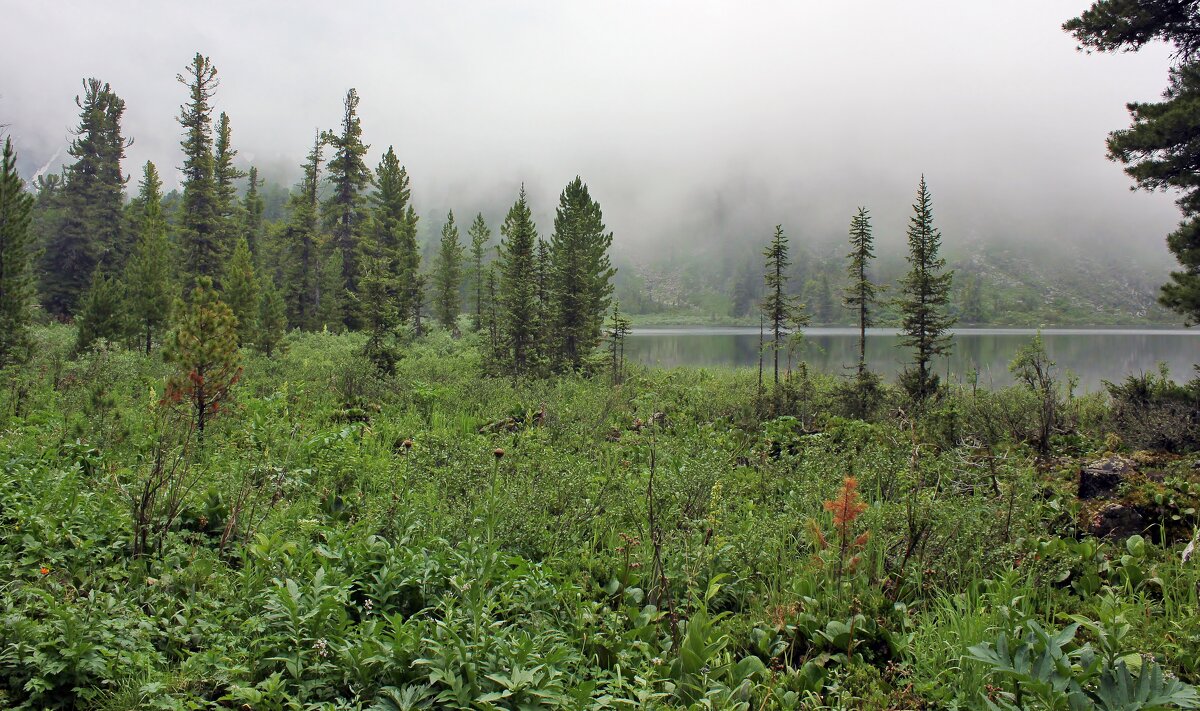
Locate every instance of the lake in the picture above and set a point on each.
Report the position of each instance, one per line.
(1094, 355)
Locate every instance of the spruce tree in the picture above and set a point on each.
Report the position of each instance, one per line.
(618, 329)
(240, 291)
(102, 313)
(272, 319)
(581, 274)
(379, 312)
(1159, 148)
(924, 299)
(389, 206)
(518, 302)
(412, 285)
(780, 310)
(860, 293)
(252, 215)
(16, 241)
(301, 247)
(225, 176)
(547, 344)
(447, 275)
(203, 350)
(91, 202)
(331, 291)
(149, 290)
(344, 211)
(480, 235)
(200, 221)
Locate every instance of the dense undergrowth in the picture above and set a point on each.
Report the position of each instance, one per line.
(439, 540)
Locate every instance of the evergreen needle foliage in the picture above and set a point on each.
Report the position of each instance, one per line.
(925, 298)
(16, 240)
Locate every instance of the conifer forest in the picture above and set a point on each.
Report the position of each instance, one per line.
(295, 416)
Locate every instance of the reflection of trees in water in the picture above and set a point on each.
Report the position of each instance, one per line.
(1092, 356)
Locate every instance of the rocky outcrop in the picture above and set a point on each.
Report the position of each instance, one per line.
(1101, 479)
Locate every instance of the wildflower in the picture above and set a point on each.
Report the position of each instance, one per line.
(45, 570)
(407, 444)
(322, 648)
(498, 453)
(368, 605)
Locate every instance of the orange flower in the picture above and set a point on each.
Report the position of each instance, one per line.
(45, 570)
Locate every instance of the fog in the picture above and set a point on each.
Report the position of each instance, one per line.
(695, 124)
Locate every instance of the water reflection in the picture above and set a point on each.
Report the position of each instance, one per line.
(1093, 355)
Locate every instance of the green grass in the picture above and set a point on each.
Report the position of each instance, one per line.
(314, 561)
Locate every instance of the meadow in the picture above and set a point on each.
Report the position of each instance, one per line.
(339, 539)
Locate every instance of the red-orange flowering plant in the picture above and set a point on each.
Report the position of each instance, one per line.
(846, 508)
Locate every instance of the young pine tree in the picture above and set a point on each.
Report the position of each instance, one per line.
(203, 350)
(580, 274)
(860, 293)
(272, 319)
(16, 240)
(518, 288)
(200, 220)
(241, 292)
(480, 235)
(924, 299)
(149, 291)
(102, 313)
(344, 211)
(447, 275)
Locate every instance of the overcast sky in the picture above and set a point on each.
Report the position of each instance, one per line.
(689, 120)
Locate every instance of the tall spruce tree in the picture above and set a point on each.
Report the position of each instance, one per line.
(225, 176)
(253, 208)
(240, 291)
(200, 219)
(518, 288)
(16, 242)
(580, 274)
(344, 211)
(546, 344)
(91, 203)
(149, 291)
(1159, 148)
(301, 246)
(780, 310)
(924, 299)
(447, 275)
(861, 293)
(389, 220)
(480, 235)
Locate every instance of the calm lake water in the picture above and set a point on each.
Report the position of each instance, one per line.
(1094, 355)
